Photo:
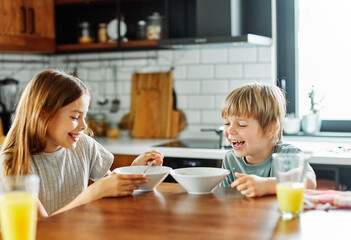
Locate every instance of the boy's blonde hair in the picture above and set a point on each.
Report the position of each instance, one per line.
(264, 102)
(44, 95)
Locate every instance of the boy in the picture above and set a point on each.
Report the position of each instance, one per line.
(253, 123)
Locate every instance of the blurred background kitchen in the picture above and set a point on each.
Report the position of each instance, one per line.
(211, 47)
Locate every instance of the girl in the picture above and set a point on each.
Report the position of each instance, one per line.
(47, 138)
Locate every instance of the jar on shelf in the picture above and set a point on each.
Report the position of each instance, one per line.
(155, 29)
(102, 33)
(84, 33)
(141, 30)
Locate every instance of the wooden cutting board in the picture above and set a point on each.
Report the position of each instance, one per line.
(163, 82)
(147, 114)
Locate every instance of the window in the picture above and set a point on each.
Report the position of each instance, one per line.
(314, 48)
(324, 56)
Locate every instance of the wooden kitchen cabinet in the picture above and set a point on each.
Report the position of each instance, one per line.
(69, 14)
(122, 160)
(27, 26)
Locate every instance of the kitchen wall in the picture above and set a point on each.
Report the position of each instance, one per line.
(202, 77)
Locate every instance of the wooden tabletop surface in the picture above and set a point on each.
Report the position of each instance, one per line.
(171, 213)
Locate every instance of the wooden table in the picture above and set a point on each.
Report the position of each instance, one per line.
(171, 213)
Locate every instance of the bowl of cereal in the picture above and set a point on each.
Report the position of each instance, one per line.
(155, 175)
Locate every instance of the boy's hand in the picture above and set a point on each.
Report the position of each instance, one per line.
(146, 157)
(252, 185)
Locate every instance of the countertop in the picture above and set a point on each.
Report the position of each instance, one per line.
(320, 150)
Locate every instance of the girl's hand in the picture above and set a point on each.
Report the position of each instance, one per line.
(155, 156)
(119, 185)
(252, 185)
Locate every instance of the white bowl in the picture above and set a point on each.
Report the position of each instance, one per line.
(199, 180)
(155, 175)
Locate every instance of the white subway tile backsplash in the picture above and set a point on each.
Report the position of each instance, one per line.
(180, 72)
(182, 101)
(165, 57)
(200, 102)
(220, 99)
(135, 62)
(186, 87)
(235, 83)
(192, 117)
(257, 70)
(186, 56)
(213, 116)
(202, 77)
(214, 55)
(201, 71)
(264, 54)
(229, 70)
(246, 54)
(214, 86)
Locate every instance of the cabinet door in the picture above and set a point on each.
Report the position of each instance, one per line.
(40, 18)
(12, 17)
(27, 26)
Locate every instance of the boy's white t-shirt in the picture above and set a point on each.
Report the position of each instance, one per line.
(64, 174)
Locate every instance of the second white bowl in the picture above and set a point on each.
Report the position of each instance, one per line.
(199, 180)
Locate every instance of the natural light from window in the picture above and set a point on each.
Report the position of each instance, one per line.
(324, 56)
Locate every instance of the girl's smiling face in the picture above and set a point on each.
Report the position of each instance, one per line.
(248, 139)
(67, 125)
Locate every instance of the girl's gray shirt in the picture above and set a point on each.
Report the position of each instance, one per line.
(263, 169)
(64, 174)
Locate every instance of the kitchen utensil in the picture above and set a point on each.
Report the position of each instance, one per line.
(148, 166)
(115, 102)
(102, 100)
(112, 29)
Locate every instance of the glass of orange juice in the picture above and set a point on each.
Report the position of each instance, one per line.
(18, 207)
(290, 170)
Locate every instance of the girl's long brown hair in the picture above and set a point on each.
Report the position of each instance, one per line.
(44, 95)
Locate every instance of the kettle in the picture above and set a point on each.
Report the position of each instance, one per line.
(223, 141)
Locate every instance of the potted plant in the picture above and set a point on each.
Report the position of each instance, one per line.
(311, 122)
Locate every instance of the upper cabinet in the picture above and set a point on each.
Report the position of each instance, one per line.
(80, 23)
(184, 23)
(27, 26)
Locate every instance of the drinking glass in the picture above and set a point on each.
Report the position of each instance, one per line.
(290, 170)
(18, 207)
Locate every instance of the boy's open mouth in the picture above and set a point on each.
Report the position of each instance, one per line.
(237, 144)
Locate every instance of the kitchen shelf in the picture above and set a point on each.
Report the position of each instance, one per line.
(105, 46)
(65, 2)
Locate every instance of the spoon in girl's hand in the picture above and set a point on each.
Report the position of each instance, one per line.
(148, 166)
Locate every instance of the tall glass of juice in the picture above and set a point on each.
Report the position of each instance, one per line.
(290, 170)
(18, 207)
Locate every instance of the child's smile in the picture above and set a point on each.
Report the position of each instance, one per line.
(237, 145)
